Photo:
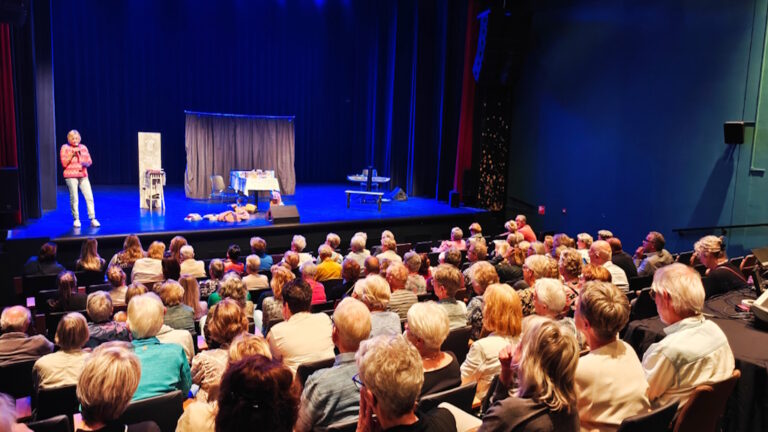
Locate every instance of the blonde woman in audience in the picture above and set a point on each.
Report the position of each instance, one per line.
(583, 243)
(102, 329)
(133, 290)
(116, 278)
(544, 363)
(610, 381)
(570, 267)
(63, 367)
(192, 296)
(150, 269)
(272, 307)
(550, 300)
(131, 252)
(427, 329)
(724, 276)
(225, 321)
(189, 265)
(482, 274)
(253, 280)
(536, 267)
(456, 241)
(374, 292)
(502, 316)
(416, 282)
(89, 257)
(215, 273)
(177, 314)
(298, 244)
(110, 378)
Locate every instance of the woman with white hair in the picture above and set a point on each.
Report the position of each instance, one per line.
(456, 241)
(298, 244)
(549, 298)
(427, 329)
(189, 265)
(253, 280)
(544, 364)
(309, 273)
(416, 282)
(723, 275)
(102, 328)
(358, 252)
(63, 367)
(374, 292)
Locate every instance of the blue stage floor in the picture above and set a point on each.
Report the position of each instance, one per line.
(117, 208)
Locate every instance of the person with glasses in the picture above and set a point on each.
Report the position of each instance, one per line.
(330, 395)
(695, 350)
(651, 255)
(390, 380)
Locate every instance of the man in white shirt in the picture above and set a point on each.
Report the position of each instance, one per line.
(189, 265)
(695, 350)
(600, 254)
(303, 337)
(389, 250)
(610, 381)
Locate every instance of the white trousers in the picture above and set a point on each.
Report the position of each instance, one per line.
(85, 188)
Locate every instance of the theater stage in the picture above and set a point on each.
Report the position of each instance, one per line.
(322, 208)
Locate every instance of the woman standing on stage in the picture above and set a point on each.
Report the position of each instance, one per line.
(75, 159)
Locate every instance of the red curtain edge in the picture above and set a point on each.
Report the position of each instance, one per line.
(466, 126)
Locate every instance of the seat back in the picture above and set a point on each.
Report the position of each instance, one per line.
(52, 322)
(164, 410)
(343, 426)
(460, 397)
(59, 423)
(657, 420)
(42, 297)
(644, 306)
(307, 369)
(87, 277)
(457, 342)
(32, 284)
(322, 307)
(53, 402)
(402, 248)
(90, 289)
(16, 379)
(684, 257)
(706, 405)
(640, 282)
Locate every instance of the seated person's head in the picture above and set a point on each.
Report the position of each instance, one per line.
(539, 266)
(15, 319)
(475, 229)
(592, 272)
(428, 326)
(246, 345)
(549, 298)
(503, 310)
(447, 281)
(412, 261)
(187, 252)
(216, 269)
(280, 277)
(333, 240)
(324, 252)
(225, 321)
(678, 292)
(549, 354)
(351, 324)
(604, 234)
(47, 252)
(252, 264)
(584, 241)
(116, 276)
(350, 270)
(453, 257)
(392, 374)
(602, 310)
(133, 290)
(292, 259)
(171, 293)
(232, 287)
(106, 385)
(308, 270)
(615, 243)
(387, 234)
(233, 253)
(357, 244)
(145, 315)
(72, 332)
(99, 307)
(257, 391)
(67, 284)
(371, 265)
(298, 243)
(425, 264)
(536, 248)
(297, 296)
(374, 292)
(482, 274)
(388, 244)
(477, 251)
(571, 264)
(457, 234)
(258, 245)
(397, 276)
(156, 250)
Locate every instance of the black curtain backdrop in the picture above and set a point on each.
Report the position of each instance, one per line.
(370, 82)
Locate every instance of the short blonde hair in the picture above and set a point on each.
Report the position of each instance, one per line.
(187, 252)
(145, 315)
(333, 240)
(389, 243)
(252, 263)
(542, 266)
(412, 260)
(353, 321)
(594, 272)
(233, 288)
(375, 292)
(216, 269)
(258, 245)
(106, 385)
(324, 251)
(280, 277)
(292, 259)
(449, 277)
(429, 322)
(605, 307)
(171, 293)
(357, 243)
(398, 272)
(156, 250)
(475, 227)
(115, 276)
(247, 345)
(585, 238)
(503, 311)
(72, 332)
(456, 233)
(226, 319)
(72, 133)
(99, 306)
(550, 354)
(571, 263)
(391, 368)
(709, 246)
(484, 274)
(551, 294)
(299, 242)
(684, 287)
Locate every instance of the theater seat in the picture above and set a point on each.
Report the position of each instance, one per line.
(59, 423)
(16, 379)
(343, 426)
(706, 405)
(461, 397)
(657, 420)
(457, 342)
(164, 410)
(53, 402)
(306, 369)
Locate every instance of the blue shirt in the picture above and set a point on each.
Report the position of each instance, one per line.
(266, 262)
(164, 368)
(330, 395)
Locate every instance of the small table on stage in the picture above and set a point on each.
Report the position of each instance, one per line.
(261, 184)
(363, 180)
(747, 409)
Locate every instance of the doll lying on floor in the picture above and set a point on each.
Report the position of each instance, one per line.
(237, 214)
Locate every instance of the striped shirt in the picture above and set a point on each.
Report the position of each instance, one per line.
(329, 395)
(400, 301)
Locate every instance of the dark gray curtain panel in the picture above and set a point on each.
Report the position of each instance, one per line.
(217, 144)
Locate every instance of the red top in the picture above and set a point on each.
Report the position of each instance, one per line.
(318, 291)
(75, 160)
(527, 233)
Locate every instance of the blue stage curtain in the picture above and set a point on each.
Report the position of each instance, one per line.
(370, 82)
(217, 144)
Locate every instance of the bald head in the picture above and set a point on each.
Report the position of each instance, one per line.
(371, 265)
(600, 252)
(15, 319)
(397, 276)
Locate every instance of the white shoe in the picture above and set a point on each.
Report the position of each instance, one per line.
(76, 223)
(95, 223)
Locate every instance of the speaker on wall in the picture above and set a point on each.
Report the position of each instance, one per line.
(734, 132)
(283, 214)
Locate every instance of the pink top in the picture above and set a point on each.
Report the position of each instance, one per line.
(318, 291)
(75, 160)
(527, 233)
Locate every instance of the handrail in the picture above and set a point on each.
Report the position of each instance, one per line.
(720, 227)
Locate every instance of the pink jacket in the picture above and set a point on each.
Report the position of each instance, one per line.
(75, 166)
